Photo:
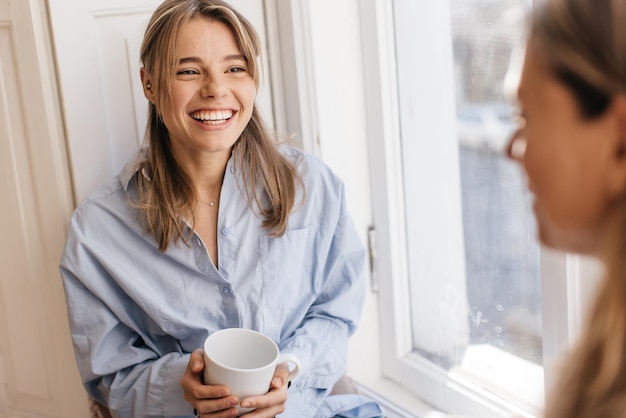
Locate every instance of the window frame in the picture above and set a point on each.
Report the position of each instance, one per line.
(291, 71)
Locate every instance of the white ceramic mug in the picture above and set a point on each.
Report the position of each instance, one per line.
(244, 361)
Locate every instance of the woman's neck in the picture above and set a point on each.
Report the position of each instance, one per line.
(206, 172)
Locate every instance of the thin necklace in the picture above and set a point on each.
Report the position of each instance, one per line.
(211, 203)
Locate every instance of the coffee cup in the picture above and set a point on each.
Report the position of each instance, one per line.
(244, 360)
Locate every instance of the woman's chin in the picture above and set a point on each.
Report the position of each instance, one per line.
(570, 243)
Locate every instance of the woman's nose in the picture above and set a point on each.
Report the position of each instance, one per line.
(516, 148)
(213, 87)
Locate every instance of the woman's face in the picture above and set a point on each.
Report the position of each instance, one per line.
(568, 160)
(212, 93)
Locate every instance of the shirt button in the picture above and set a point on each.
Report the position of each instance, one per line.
(225, 231)
(226, 290)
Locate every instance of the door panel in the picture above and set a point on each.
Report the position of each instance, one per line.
(38, 376)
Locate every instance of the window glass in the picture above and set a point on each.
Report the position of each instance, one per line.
(501, 251)
(473, 255)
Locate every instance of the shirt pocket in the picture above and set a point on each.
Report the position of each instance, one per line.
(287, 265)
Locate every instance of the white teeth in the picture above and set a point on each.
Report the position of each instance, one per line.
(213, 116)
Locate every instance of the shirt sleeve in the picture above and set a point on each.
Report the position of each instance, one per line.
(132, 374)
(321, 340)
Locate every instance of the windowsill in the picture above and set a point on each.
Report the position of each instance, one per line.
(397, 401)
(487, 372)
(504, 374)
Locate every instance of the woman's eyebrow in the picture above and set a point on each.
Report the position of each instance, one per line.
(198, 60)
(188, 60)
(235, 57)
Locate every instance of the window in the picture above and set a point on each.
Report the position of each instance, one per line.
(471, 306)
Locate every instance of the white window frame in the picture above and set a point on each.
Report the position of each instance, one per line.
(291, 71)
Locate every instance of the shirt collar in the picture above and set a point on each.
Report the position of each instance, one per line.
(132, 167)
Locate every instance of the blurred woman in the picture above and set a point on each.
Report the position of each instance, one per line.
(572, 145)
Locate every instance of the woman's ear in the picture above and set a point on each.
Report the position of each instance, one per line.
(147, 85)
(617, 175)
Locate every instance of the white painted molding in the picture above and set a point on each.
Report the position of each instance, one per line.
(289, 45)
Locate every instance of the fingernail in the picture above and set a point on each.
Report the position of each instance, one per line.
(245, 404)
(277, 382)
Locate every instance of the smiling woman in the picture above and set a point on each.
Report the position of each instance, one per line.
(213, 225)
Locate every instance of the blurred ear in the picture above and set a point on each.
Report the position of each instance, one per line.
(146, 83)
(617, 175)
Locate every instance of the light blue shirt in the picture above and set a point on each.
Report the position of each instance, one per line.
(136, 313)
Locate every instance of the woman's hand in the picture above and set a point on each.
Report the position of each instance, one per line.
(207, 400)
(273, 402)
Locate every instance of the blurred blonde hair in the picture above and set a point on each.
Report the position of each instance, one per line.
(165, 191)
(583, 43)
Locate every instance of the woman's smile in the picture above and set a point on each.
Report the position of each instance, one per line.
(213, 118)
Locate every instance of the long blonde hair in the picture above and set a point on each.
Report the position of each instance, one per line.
(584, 44)
(165, 191)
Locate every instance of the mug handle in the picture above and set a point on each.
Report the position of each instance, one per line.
(290, 358)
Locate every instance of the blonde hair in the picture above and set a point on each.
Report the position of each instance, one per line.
(165, 191)
(584, 44)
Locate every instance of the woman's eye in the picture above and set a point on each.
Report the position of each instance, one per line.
(186, 72)
(237, 70)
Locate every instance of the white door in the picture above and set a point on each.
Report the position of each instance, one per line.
(97, 45)
(38, 376)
